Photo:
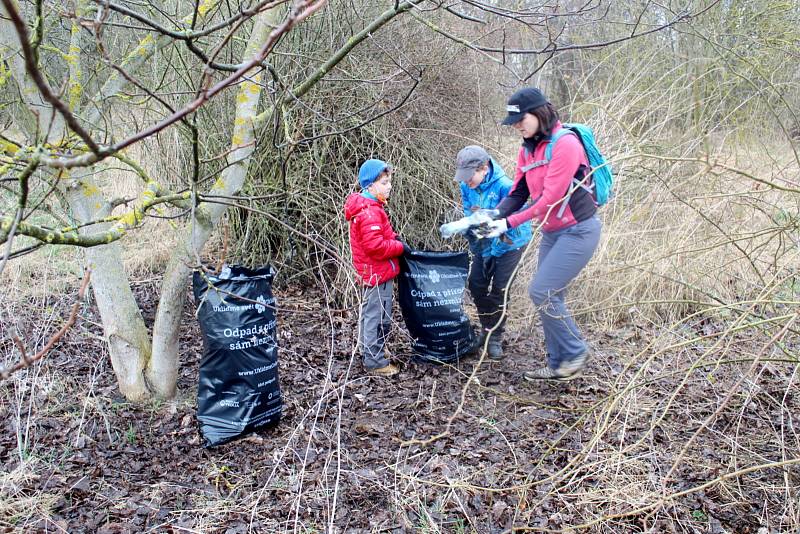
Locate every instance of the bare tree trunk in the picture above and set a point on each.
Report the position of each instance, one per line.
(129, 343)
(128, 337)
(123, 325)
(124, 328)
(162, 371)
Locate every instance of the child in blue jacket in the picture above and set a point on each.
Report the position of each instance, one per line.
(483, 185)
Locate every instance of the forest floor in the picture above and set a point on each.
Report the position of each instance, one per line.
(648, 440)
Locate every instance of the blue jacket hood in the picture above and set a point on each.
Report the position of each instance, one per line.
(492, 177)
(494, 188)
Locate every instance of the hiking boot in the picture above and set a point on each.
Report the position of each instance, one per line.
(566, 370)
(548, 373)
(387, 370)
(574, 366)
(495, 349)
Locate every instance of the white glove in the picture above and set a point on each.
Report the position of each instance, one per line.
(496, 228)
(463, 225)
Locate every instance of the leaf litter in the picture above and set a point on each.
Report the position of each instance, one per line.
(344, 459)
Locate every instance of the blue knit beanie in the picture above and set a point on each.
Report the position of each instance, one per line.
(369, 172)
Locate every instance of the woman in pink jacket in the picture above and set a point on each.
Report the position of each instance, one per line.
(570, 228)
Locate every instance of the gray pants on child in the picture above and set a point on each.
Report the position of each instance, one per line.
(488, 282)
(375, 323)
(562, 255)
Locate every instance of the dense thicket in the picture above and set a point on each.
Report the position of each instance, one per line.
(716, 88)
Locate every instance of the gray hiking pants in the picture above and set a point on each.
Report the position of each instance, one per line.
(562, 255)
(375, 323)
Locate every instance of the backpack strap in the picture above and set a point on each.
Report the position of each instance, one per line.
(548, 154)
(548, 151)
(575, 184)
(533, 165)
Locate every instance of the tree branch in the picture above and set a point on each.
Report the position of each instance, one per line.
(552, 47)
(302, 10)
(31, 55)
(351, 43)
(7, 231)
(124, 223)
(190, 36)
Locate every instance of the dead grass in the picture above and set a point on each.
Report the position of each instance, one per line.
(17, 504)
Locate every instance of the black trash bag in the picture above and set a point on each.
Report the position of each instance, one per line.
(431, 299)
(238, 391)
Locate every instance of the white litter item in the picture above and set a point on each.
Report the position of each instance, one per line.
(481, 218)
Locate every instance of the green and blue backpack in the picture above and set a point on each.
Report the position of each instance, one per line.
(602, 177)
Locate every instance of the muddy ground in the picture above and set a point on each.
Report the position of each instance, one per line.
(638, 445)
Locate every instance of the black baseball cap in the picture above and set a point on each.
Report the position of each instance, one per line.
(525, 100)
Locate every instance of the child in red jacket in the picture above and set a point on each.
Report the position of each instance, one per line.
(376, 252)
